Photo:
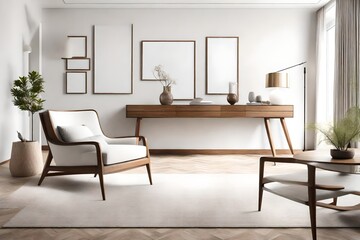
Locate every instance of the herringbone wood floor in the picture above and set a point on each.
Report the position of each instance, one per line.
(173, 164)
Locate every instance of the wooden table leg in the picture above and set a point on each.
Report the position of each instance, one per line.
(137, 127)
(312, 199)
(261, 184)
(267, 127)
(283, 124)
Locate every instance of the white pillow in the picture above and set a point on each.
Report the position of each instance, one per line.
(81, 133)
(74, 133)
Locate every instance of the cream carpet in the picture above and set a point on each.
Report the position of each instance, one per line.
(175, 200)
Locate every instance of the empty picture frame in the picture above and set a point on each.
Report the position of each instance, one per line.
(222, 64)
(113, 59)
(78, 64)
(178, 59)
(77, 46)
(76, 82)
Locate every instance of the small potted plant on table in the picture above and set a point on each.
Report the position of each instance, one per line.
(26, 156)
(341, 133)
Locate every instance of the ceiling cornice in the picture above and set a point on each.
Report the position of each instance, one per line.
(183, 3)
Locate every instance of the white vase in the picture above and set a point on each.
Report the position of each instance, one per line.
(251, 97)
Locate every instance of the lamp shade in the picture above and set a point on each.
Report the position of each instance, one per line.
(277, 79)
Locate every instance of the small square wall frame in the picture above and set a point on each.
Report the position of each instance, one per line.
(77, 46)
(76, 82)
(77, 63)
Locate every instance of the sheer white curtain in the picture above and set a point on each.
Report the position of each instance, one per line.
(320, 115)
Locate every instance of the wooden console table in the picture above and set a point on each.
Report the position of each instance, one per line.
(215, 111)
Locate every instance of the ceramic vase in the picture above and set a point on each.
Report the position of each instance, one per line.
(166, 98)
(251, 97)
(232, 98)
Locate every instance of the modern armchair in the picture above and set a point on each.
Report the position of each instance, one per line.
(78, 145)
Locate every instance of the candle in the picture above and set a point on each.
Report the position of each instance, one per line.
(232, 87)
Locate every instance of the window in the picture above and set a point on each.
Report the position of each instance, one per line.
(330, 60)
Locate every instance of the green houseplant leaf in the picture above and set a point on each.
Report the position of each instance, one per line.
(26, 92)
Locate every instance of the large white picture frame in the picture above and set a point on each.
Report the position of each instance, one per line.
(178, 57)
(222, 64)
(113, 59)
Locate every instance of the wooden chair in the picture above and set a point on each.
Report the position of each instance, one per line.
(97, 154)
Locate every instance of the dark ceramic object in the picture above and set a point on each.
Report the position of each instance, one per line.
(232, 98)
(339, 154)
(166, 98)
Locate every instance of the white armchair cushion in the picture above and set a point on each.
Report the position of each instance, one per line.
(100, 139)
(119, 153)
(74, 133)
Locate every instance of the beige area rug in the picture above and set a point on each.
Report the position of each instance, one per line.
(175, 200)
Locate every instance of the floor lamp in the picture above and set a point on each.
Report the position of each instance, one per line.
(280, 79)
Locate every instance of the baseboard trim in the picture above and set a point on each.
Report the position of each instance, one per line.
(4, 162)
(213, 151)
(221, 151)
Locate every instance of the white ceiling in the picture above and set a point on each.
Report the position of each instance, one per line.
(183, 3)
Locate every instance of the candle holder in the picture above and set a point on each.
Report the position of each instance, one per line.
(232, 97)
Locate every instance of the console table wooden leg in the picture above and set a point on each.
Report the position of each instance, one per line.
(283, 124)
(267, 127)
(312, 199)
(137, 127)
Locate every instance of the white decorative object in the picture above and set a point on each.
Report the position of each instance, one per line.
(279, 97)
(200, 101)
(233, 87)
(251, 97)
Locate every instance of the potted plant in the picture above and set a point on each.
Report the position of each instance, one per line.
(26, 156)
(341, 133)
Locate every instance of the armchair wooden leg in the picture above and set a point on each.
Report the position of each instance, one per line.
(149, 172)
(261, 176)
(101, 178)
(45, 170)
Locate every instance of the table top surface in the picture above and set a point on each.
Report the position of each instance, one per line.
(323, 156)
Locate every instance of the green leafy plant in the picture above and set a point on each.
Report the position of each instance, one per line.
(342, 132)
(26, 92)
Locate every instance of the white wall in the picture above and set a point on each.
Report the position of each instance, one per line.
(270, 39)
(18, 22)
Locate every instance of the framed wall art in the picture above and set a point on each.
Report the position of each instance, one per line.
(76, 82)
(78, 64)
(222, 64)
(76, 47)
(178, 58)
(113, 59)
